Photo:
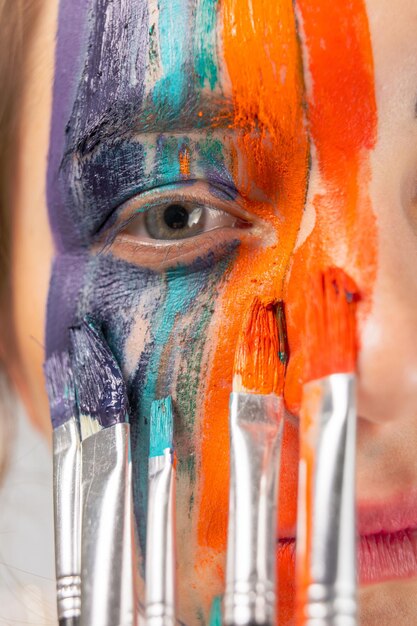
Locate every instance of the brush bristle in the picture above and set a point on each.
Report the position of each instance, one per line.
(100, 388)
(331, 339)
(162, 426)
(258, 367)
(60, 388)
(216, 612)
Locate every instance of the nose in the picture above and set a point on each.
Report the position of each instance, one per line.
(387, 363)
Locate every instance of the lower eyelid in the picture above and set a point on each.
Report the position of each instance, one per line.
(159, 256)
(219, 218)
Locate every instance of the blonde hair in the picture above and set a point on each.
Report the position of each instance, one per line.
(17, 18)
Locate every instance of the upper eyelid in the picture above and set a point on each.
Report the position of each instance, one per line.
(174, 192)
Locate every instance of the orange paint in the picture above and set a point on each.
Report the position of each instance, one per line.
(308, 437)
(184, 160)
(330, 340)
(270, 167)
(342, 121)
(257, 366)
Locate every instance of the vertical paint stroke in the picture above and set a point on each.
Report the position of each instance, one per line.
(184, 161)
(173, 24)
(342, 120)
(205, 52)
(261, 52)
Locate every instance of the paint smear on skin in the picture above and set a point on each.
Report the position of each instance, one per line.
(205, 60)
(342, 119)
(184, 161)
(271, 167)
(173, 22)
(262, 57)
(342, 122)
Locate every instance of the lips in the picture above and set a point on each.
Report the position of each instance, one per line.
(388, 539)
(387, 545)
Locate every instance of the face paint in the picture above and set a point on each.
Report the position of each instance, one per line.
(151, 98)
(117, 134)
(342, 120)
(272, 155)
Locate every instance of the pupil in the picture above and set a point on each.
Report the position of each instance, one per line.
(176, 216)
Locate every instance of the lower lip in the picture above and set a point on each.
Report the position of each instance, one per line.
(381, 557)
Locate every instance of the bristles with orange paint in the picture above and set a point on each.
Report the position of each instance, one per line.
(331, 343)
(259, 362)
(256, 424)
(326, 525)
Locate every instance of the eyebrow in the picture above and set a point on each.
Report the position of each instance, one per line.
(201, 112)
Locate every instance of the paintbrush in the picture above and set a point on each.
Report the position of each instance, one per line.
(66, 486)
(108, 553)
(216, 612)
(256, 421)
(160, 533)
(326, 526)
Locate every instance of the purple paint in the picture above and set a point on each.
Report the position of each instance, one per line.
(99, 82)
(60, 387)
(99, 157)
(101, 391)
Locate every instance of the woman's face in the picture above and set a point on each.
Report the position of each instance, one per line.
(202, 153)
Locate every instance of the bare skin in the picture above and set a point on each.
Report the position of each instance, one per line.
(387, 462)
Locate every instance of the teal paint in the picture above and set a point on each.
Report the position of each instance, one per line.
(168, 158)
(181, 291)
(173, 25)
(211, 151)
(161, 427)
(216, 611)
(205, 50)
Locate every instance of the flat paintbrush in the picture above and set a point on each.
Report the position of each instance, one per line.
(160, 533)
(107, 543)
(216, 612)
(326, 526)
(66, 486)
(256, 421)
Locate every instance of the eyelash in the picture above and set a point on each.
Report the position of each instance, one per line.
(162, 252)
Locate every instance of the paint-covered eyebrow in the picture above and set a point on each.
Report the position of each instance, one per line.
(202, 113)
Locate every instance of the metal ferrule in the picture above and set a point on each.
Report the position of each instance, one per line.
(160, 542)
(256, 423)
(108, 538)
(67, 514)
(330, 597)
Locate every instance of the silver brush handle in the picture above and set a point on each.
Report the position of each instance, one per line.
(160, 543)
(67, 518)
(256, 431)
(107, 575)
(331, 598)
(330, 606)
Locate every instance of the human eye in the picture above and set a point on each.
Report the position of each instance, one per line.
(174, 220)
(176, 224)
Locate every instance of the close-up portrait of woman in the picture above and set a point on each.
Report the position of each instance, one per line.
(208, 338)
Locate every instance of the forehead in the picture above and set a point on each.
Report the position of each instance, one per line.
(168, 63)
(140, 67)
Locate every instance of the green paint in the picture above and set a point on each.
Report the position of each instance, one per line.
(211, 151)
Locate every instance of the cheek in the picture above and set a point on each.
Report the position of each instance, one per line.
(157, 325)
